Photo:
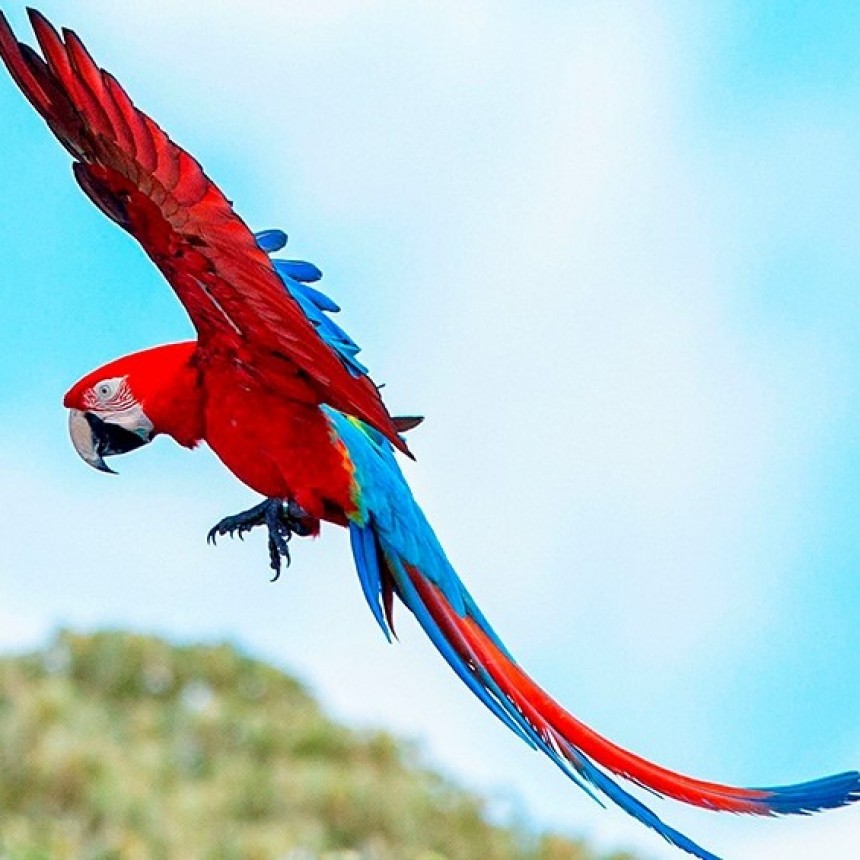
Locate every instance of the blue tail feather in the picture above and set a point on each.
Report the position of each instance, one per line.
(633, 806)
(804, 798)
(391, 537)
(364, 552)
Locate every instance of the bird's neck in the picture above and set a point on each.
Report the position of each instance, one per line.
(173, 396)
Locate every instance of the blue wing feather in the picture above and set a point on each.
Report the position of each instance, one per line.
(307, 273)
(296, 276)
(271, 240)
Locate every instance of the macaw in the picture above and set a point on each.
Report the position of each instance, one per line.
(274, 387)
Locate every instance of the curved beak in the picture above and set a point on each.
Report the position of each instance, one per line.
(95, 439)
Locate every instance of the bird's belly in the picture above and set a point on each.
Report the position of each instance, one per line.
(281, 449)
(248, 461)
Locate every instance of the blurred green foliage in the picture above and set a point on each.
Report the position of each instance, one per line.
(124, 747)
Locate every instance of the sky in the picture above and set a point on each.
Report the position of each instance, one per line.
(610, 250)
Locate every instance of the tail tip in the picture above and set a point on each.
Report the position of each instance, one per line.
(829, 792)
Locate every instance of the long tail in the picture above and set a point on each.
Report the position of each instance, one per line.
(396, 553)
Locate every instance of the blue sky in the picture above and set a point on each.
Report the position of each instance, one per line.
(610, 249)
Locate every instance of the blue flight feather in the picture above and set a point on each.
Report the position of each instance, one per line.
(321, 300)
(302, 271)
(271, 240)
(295, 276)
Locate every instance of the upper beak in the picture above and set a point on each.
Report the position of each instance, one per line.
(95, 439)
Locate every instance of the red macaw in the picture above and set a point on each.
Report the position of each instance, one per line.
(274, 387)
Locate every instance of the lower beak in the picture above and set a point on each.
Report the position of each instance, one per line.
(95, 439)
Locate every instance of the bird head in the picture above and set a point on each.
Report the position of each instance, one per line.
(115, 409)
(106, 418)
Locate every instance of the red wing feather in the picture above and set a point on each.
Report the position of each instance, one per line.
(159, 193)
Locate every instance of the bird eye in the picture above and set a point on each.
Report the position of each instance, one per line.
(104, 390)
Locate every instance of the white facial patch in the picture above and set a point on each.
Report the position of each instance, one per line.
(112, 400)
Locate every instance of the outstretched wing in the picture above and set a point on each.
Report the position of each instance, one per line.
(159, 193)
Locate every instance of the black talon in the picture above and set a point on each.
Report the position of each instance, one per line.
(279, 533)
(282, 520)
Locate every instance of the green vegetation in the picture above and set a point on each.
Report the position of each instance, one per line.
(119, 747)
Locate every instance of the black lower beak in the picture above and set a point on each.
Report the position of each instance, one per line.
(112, 439)
(95, 439)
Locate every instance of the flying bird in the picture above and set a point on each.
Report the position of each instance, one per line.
(275, 388)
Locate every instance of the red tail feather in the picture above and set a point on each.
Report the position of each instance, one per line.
(551, 721)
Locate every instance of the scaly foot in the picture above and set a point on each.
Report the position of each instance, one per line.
(282, 518)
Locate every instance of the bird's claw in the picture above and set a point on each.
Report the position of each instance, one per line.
(280, 532)
(228, 529)
(281, 519)
(278, 550)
